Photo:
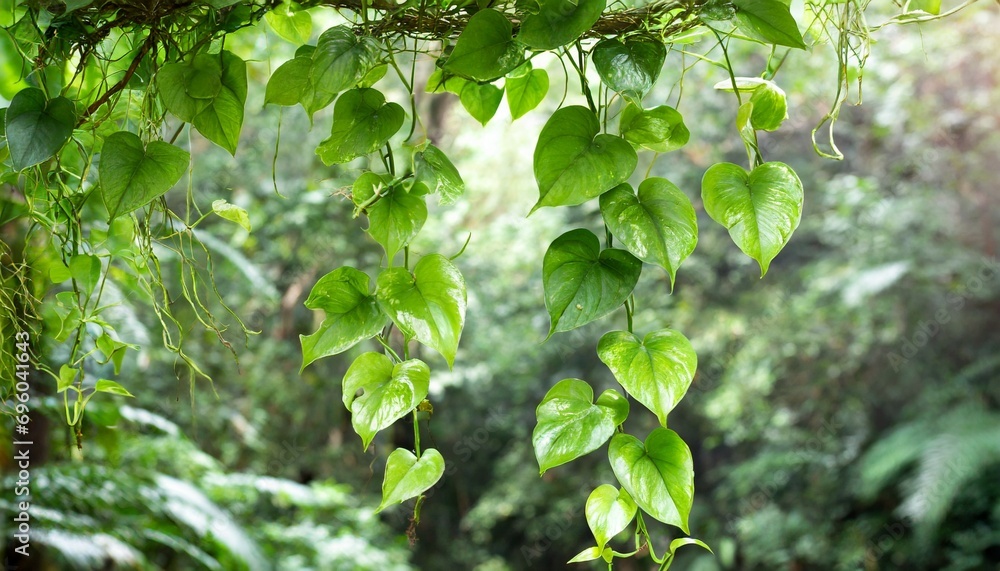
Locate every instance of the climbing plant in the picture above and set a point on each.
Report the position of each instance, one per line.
(91, 149)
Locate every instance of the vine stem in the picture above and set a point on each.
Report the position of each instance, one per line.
(106, 96)
(416, 432)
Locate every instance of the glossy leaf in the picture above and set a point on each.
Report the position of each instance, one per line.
(630, 67)
(571, 425)
(525, 92)
(36, 128)
(486, 49)
(433, 172)
(341, 59)
(111, 387)
(659, 129)
(573, 163)
(589, 554)
(768, 21)
(427, 305)
(582, 282)
(133, 175)
(659, 225)
(407, 476)
(760, 209)
(658, 475)
(362, 122)
(395, 217)
(232, 213)
(352, 314)
(388, 392)
(770, 105)
(609, 511)
(656, 370)
(559, 22)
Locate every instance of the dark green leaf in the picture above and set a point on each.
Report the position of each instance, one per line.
(486, 49)
(658, 475)
(559, 22)
(352, 314)
(362, 122)
(571, 425)
(630, 68)
(768, 21)
(388, 392)
(659, 129)
(132, 176)
(35, 128)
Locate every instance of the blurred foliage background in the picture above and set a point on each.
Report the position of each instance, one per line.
(846, 413)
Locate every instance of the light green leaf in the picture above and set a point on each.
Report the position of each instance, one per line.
(342, 59)
(525, 92)
(481, 100)
(352, 314)
(573, 163)
(660, 129)
(559, 22)
(659, 225)
(86, 270)
(631, 67)
(113, 349)
(609, 511)
(395, 217)
(570, 425)
(362, 122)
(67, 375)
(433, 172)
(388, 392)
(929, 6)
(682, 541)
(36, 128)
(582, 282)
(761, 209)
(132, 176)
(769, 104)
(657, 370)
(407, 476)
(428, 305)
(768, 21)
(290, 22)
(589, 554)
(106, 386)
(486, 49)
(232, 213)
(658, 475)
(290, 83)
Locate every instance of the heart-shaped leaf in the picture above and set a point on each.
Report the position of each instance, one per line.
(428, 305)
(769, 103)
(395, 217)
(486, 49)
(481, 100)
(582, 282)
(659, 129)
(36, 128)
(657, 370)
(362, 122)
(407, 476)
(573, 163)
(525, 92)
(761, 209)
(209, 92)
(342, 59)
(609, 511)
(768, 21)
(290, 22)
(571, 425)
(559, 22)
(630, 67)
(388, 392)
(352, 314)
(658, 475)
(289, 83)
(433, 172)
(132, 176)
(659, 225)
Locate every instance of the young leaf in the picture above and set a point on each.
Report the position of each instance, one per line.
(559, 22)
(769, 104)
(609, 511)
(760, 209)
(481, 100)
(67, 375)
(388, 392)
(35, 128)
(486, 49)
(659, 475)
(657, 370)
(342, 59)
(659, 225)
(232, 213)
(582, 282)
(570, 425)
(768, 21)
(433, 172)
(393, 219)
(629, 67)
(132, 176)
(573, 163)
(362, 122)
(525, 92)
(659, 129)
(290, 22)
(428, 305)
(106, 386)
(589, 554)
(352, 314)
(407, 476)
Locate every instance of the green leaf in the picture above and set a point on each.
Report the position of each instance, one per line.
(657, 370)
(525, 92)
(760, 209)
(67, 375)
(132, 176)
(582, 282)
(658, 475)
(486, 49)
(407, 476)
(769, 104)
(352, 314)
(609, 511)
(113, 349)
(435, 173)
(659, 225)
(388, 392)
(86, 270)
(660, 129)
(929, 6)
(35, 128)
(570, 425)
(395, 217)
(573, 163)
(559, 22)
(362, 122)
(428, 305)
(232, 213)
(630, 68)
(342, 59)
(290, 83)
(589, 554)
(290, 22)
(106, 386)
(481, 100)
(682, 541)
(768, 21)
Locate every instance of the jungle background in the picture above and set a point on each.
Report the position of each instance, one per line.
(846, 412)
